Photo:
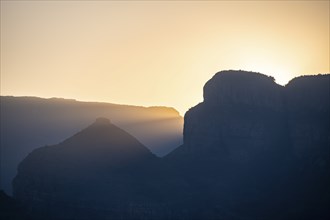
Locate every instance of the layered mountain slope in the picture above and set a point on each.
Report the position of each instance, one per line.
(100, 171)
(28, 123)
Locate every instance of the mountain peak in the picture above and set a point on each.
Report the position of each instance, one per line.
(242, 88)
(101, 143)
(102, 121)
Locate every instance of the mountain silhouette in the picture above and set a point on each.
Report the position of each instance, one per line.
(29, 122)
(252, 150)
(259, 149)
(100, 167)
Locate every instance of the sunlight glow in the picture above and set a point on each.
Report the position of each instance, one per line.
(155, 53)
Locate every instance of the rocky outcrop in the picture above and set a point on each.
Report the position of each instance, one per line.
(308, 104)
(253, 144)
(246, 113)
(242, 115)
(308, 114)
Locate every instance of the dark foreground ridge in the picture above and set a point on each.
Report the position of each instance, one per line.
(252, 150)
(10, 208)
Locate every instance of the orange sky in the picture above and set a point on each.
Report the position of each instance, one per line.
(155, 53)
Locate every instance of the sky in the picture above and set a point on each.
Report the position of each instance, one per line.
(155, 53)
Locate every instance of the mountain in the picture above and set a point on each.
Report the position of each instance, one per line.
(236, 147)
(29, 122)
(258, 150)
(101, 170)
(242, 115)
(308, 110)
(252, 150)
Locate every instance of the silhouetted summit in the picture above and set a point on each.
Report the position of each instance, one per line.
(243, 88)
(29, 122)
(242, 115)
(102, 121)
(101, 164)
(106, 136)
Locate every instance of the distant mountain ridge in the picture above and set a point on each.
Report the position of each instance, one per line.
(30, 122)
(252, 150)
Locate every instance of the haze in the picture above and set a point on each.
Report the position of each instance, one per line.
(155, 53)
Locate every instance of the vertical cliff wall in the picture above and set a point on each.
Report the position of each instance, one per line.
(243, 115)
(257, 144)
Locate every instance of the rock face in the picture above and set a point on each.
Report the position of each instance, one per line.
(242, 115)
(236, 146)
(252, 150)
(259, 149)
(308, 113)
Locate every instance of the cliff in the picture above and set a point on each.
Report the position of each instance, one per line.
(308, 113)
(242, 115)
(253, 145)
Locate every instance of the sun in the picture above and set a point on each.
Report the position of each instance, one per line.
(281, 73)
